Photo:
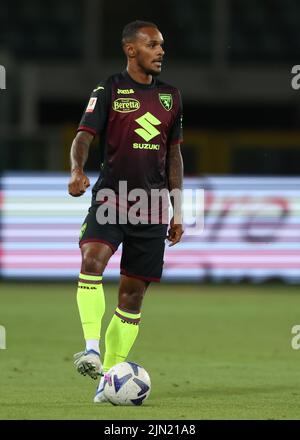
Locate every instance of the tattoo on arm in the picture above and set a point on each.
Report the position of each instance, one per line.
(175, 179)
(80, 150)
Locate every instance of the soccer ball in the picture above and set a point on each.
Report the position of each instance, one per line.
(127, 384)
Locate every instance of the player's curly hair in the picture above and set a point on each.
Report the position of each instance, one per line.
(131, 29)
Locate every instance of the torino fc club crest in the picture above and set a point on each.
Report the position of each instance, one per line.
(166, 101)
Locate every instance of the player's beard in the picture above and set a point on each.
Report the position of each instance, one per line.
(148, 70)
(154, 73)
(151, 72)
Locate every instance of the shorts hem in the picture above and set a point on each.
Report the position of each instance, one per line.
(97, 240)
(139, 277)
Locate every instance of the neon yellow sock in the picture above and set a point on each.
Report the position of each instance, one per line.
(91, 304)
(120, 336)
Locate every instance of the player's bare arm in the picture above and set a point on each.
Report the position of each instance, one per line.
(175, 179)
(79, 182)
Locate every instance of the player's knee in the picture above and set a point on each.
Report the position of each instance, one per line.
(93, 263)
(131, 299)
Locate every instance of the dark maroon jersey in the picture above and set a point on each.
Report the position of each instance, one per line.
(137, 123)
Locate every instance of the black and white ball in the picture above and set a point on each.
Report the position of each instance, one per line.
(127, 383)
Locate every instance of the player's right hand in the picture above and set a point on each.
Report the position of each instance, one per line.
(78, 183)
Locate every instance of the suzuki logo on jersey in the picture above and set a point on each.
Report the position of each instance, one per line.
(166, 101)
(146, 146)
(125, 91)
(126, 105)
(147, 122)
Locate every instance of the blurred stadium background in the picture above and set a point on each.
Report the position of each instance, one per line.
(232, 61)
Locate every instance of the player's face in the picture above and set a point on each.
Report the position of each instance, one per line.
(149, 51)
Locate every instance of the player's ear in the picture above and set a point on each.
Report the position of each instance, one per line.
(129, 50)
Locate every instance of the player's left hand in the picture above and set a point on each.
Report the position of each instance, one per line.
(174, 233)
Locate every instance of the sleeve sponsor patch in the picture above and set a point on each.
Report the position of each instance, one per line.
(91, 105)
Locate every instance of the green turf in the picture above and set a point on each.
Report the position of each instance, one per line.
(213, 352)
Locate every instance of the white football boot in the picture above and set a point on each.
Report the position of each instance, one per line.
(100, 397)
(88, 363)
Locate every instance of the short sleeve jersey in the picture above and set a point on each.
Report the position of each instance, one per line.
(137, 124)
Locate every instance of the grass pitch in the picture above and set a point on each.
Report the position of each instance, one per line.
(213, 352)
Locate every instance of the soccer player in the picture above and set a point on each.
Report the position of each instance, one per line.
(138, 119)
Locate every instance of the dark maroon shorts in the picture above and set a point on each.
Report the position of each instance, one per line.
(143, 245)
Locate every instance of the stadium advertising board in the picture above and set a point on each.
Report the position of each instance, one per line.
(251, 230)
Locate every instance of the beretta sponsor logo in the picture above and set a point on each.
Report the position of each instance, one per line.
(126, 105)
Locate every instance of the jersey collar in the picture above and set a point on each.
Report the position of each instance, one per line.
(137, 84)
